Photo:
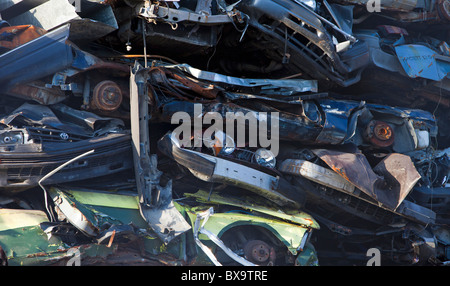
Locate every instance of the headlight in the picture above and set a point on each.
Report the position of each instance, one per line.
(228, 148)
(11, 137)
(265, 158)
(423, 139)
(223, 144)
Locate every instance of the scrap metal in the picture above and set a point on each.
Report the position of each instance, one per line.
(358, 93)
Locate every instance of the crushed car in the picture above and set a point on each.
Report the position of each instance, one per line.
(36, 139)
(321, 181)
(97, 226)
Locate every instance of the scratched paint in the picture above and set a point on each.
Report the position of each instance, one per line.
(422, 62)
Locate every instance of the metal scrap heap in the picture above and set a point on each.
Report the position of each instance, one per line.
(222, 132)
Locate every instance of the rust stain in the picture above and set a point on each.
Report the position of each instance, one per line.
(341, 172)
(21, 34)
(209, 91)
(111, 238)
(311, 222)
(40, 254)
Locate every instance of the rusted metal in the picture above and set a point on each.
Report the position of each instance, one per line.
(259, 252)
(208, 92)
(106, 96)
(399, 173)
(318, 174)
(379, 133)
(74, 215)
(39, 94)
(389, 182)
(111, 238)
(12, 37)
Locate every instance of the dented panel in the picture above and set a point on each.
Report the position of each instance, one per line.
(155, 200)
(388, 183)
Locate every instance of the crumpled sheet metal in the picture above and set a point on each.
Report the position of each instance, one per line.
(34, 60)
(89, 20)
(316, 174)
(309, 118)
(218, 170)
(12, 37)
(292, 85)
(38, 93)
(421, 61)
(34, 53)
(199, 228)
(255, 204)
(389, 182)
(64, 118)
(155, 201)
(291, 127)
(322, 57)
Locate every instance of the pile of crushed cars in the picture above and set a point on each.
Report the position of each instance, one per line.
(93, 170)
